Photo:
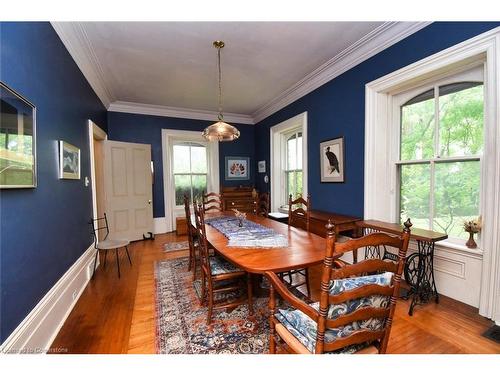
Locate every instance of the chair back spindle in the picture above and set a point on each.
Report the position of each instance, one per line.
(262, 205)
(212, 202)
(199, 216)
(299, 216)
(187, 211)
(100, 223)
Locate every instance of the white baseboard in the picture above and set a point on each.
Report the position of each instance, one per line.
(159, 225)
(38, 330)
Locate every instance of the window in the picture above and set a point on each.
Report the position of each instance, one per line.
(441, 144)
(190, 171)
(293, 167)
(288, 161)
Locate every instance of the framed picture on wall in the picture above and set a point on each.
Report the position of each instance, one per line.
(237, 168)
(69, 161)
(17, 140)
(332, 160)
(262, 166)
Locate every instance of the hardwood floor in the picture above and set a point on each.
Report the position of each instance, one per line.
(118, 315)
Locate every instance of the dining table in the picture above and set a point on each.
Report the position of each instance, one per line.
(304, 249)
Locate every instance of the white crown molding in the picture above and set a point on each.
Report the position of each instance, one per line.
(76, 41)
(160, 110)
(376, 41)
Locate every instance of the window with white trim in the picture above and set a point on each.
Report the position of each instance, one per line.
(288, 161)
(293, 164)
(190, 171)
(441, 144)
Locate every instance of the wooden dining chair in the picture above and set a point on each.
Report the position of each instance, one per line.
(194, 245)
(217, 271)
(299, 215)
(262, 204)
(357, 302)
(299, 212)
(212, 202)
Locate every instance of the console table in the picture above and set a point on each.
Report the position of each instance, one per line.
(419, 267)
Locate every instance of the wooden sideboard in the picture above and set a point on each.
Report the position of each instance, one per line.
(241, 198)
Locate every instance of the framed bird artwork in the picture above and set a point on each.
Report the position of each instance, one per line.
(332, 160)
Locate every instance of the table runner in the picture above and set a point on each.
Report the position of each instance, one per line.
(250, 234)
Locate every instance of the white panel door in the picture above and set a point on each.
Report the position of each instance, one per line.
(128, 189)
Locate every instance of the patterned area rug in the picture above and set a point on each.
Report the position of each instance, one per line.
(181, 320)
(176, 246)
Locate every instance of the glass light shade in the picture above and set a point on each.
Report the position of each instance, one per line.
(221, 131)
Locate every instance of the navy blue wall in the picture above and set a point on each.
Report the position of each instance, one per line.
(338, 109)
(129, 127)
(43, 231)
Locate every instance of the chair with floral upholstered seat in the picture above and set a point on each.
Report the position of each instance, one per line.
(357, 302)
(219, 275)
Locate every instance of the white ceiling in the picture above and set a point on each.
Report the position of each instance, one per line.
(173, 64)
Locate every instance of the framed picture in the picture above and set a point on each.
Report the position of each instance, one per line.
(69, 161)
(237, 168)
(17, 140)
(262, 166)
(332, 160)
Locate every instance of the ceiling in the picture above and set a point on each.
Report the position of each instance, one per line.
(173, 64)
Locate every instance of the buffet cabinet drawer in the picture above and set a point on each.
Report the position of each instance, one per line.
(246, 205)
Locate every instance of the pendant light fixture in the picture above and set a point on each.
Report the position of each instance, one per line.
(220, 131)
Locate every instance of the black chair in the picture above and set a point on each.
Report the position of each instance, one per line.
(106, 244)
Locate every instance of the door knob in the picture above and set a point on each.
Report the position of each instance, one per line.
(149, 201)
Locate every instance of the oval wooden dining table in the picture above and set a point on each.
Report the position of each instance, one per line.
(304, 249)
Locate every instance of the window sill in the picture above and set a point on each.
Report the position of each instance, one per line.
(455, 248)
(283, 210)
(460, 247)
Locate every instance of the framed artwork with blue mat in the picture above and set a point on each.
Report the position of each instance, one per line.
(237, 168)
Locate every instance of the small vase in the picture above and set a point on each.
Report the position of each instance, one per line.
(471, 244)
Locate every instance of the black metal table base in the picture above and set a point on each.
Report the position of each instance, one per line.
(419, 271)
(419, 274)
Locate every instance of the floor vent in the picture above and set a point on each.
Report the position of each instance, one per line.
(493, 333)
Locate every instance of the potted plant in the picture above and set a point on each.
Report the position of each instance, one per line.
(471, 227)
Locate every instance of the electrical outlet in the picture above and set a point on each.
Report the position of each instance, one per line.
(74, 295)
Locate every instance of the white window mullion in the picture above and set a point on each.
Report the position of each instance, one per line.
(191, 175)
(436, 155)
(431, 197)
(436, 122)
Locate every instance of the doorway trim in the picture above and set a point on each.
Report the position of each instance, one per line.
(95, 132)
(168, 136)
